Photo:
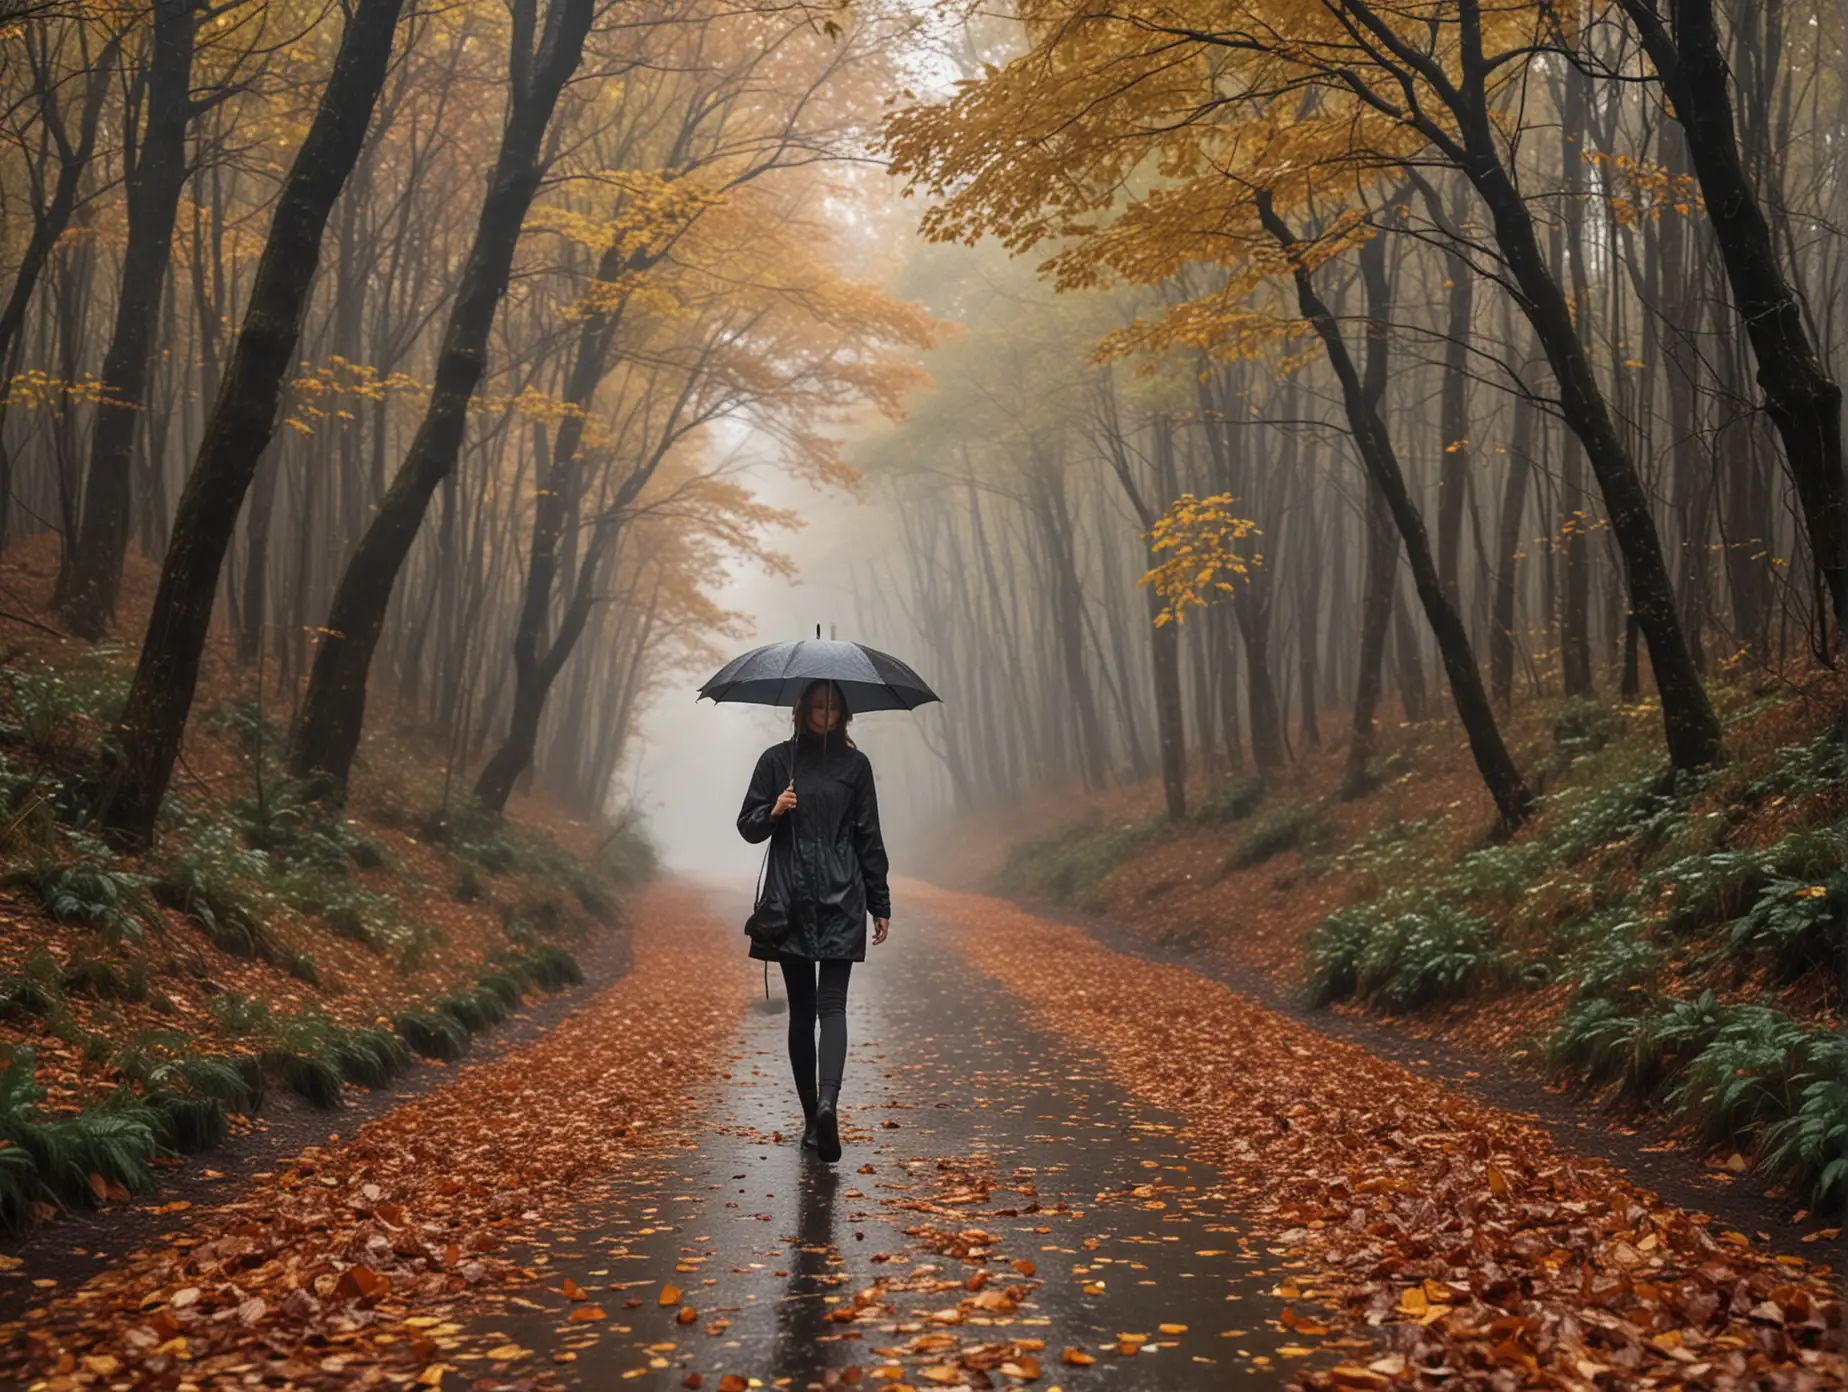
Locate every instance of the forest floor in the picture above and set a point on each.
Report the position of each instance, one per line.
(1660, 959)
(273, 967)
(1066, 1167)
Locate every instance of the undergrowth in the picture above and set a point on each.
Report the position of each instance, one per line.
(168, 1098)
(1066, 866)
(1632, 877)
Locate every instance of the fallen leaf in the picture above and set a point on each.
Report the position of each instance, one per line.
(584, 1314)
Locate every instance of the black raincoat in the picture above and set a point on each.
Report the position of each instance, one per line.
(826, 869)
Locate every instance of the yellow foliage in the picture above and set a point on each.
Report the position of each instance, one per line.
(1200, 557)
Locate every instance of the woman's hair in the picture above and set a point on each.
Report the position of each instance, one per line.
(810, 695)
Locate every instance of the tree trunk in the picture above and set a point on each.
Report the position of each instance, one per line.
(255, 606)
(1691, 728)
(1379, 571)
(243, 418)
(1251, 600)
(1453, 470)
(1803, 401)
(1407, 661)
(1508, 550)
(1512, 798)
(1051, 511)
(1575, 538)
(334, 706)
(49, 225)
(534, 673)
(154, 187)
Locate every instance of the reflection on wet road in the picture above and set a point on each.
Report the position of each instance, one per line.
(1002, 1217)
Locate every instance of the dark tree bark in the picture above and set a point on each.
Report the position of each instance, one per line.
(1575, 539)
(49, 223)
(1690, 483)
(1052, 512)
(254, 609)
(1453, 421)
(1691, 728)
(1252, 601)
(1512, 798)
(1379, 571)
(1308, 571)
(534, 672)
(1803, 401)
(334, 706)
(1508, 550)
(1407, 662)
(1164, 638)
(555, 509)
(243, 418)
(154, 185)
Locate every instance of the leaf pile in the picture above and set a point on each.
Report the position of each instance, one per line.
(1486, 1255)
(338, 1270)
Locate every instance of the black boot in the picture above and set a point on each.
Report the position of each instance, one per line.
(809, 1136)
(827, 1125)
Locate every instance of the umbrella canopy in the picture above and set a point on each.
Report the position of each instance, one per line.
(777, 673)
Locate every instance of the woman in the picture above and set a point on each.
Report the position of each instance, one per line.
(826, 870)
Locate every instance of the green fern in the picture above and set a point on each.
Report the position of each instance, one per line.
(1290, 828)
(221, 886)
(432, 1034)
(90, 890)
(1801, 925)
(1752, 1073)
(1808, 1149)
(1234, 801)
(371, 1058)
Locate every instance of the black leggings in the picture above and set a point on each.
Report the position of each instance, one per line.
(817, 991)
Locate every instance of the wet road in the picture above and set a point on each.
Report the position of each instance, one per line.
(1003, 1216)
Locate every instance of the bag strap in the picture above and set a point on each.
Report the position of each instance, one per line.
(763, 865)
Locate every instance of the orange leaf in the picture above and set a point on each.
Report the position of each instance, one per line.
(585, 1313)
(573, 1291)
(1077, 1358)
(731, 1382)
(1024, 1266)
(361, 1283)
(687, 1314)
(670, 1295)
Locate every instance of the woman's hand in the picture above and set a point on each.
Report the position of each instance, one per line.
(881, 926)
(785, 800)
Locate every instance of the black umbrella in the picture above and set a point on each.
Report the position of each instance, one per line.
(777, 673)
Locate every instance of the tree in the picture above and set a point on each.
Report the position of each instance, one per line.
(1261, 93)
(1803, 400)
(238, 432)
(333, 708)
(94, 569)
